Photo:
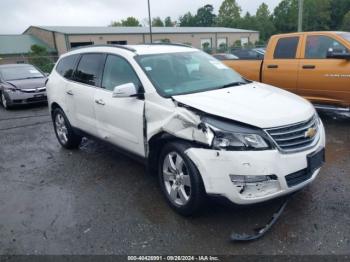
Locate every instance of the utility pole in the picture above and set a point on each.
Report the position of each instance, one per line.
(300, 16)
(150, 21)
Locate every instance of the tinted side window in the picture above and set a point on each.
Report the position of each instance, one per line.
(317, 47)
(117, 72)
(286, 48)
(66, 66)
(89, 69)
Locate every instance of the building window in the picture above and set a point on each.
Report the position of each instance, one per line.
(244, 41)
(222, 43)
(78, 44)
(122, 42)
(206, 43)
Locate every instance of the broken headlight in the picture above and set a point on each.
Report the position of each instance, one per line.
(231, 135)
(239, 141)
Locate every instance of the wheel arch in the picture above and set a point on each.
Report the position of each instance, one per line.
(155, 145)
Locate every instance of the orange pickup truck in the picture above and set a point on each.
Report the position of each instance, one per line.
(315, 65)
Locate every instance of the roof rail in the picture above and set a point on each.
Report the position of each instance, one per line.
(175, 44)
(106, 45)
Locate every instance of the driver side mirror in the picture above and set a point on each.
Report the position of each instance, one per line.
(125, 90)
(337, 54)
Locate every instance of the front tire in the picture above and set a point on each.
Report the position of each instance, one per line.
(64, 132)
(179, 179)
(4, 101)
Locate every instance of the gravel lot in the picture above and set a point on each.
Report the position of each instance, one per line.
(97, 201)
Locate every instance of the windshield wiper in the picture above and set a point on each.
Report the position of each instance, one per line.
(233, 84)
(33, 77)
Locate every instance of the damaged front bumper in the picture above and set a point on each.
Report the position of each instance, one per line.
(219, 167)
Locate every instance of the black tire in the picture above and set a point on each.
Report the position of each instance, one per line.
(5, 101)
(71, 140)
(197, 195)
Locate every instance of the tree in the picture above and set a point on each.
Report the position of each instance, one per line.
(205, 16)
(263, 22)
(157, 21)
(188, 20)
(115, 23)
(229, 14)
(39, 57)
(285, 16)
(248, 22)
(346, 22)
(317, 15)
(168, 22)
(339, 8)
(129, 21)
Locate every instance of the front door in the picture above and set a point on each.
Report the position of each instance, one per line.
(120, 119)
(322, 79)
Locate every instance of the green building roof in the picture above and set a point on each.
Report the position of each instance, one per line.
(20, 44)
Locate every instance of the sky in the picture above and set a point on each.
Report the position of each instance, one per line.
(18, 15)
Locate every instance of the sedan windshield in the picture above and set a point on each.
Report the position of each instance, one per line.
(20, 72)
(187, 72)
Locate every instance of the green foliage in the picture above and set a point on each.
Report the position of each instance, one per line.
(264, 23)
(339, 9)
(168, 22)
(317, 15)
(205, 16)
(39, 57)
(346, 22)
(188, 20)
(286, 16)
(229, 14)
(129, 21)
(222, 48)
(157, 21)
(165, 40)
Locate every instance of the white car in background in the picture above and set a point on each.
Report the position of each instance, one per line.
(199, 124)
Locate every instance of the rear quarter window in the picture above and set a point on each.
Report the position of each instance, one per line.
(66, 66)
(286, 48)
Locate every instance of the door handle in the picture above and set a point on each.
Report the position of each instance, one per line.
(70, 92)
(100, 102)
(309, 66)
(272, 66)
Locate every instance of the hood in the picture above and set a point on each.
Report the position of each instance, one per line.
(255, 104)
(28, 83)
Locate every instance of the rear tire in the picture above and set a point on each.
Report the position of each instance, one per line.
(180, 180)
(64, 132)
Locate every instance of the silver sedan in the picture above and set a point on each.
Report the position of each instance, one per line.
(21, 84)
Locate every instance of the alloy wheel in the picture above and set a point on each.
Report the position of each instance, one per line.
(176, 179)
(61, 128)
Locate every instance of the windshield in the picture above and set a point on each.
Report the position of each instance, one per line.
(346, 36)
(20, 72)
(187, 72)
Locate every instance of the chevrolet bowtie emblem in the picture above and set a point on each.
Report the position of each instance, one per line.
(310, 133)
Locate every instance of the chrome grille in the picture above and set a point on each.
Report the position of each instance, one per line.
(33, 90)
(294, 137)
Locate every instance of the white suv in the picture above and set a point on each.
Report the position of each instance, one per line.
(202, 127)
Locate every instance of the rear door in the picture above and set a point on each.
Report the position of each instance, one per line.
(80, 92)
(322, 79)
(280, 67)
(120, 119)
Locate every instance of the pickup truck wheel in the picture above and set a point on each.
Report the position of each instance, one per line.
(64, 131)
(179, 179)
